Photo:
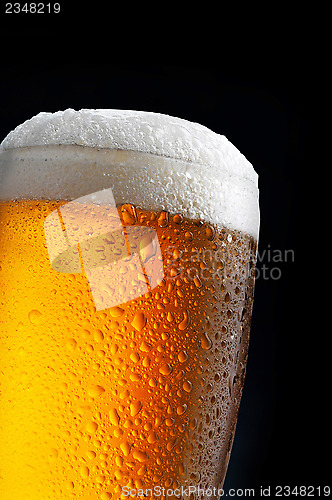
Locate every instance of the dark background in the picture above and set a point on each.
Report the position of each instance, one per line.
(260, 99)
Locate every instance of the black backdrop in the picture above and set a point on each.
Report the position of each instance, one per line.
(261, 105)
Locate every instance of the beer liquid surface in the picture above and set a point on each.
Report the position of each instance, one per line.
(141, 395)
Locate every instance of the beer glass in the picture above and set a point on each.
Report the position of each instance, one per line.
(127, 254)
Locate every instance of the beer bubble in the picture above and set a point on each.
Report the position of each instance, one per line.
(139, 321)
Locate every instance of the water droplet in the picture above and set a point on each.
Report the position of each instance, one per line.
(209, 232)
(188, 235)
(116, 312)
(134, 356)
(185, 322)
(142, 470)
(227, 298)
(165, 369)
(95, 391)
(141, 456)
(84, 471)
(125, 448)
(146, 362)
(114, 416)
(158, 421)
(71, 344)
(181, 409)
(197, 282)
(145, 347)
(91, 454)
(177, 254)
(54, 453)
(195, 476)
(170, 316)
(35, 317)
(98, 336)
(21, 352)
(182, 356)
(152, 437)
(106, 496)
(139, 321)
(187, 386)
(128, 214)
(163, 219)
(147, 250)
(177, 218)
(135, 408)
(70, 485)
(152, 382)
(91, 427)
(169, 409)
(206, 342)
(170, 444)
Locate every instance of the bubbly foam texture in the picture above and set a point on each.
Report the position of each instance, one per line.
(149, 159)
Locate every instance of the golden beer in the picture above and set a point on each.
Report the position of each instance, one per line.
(140, 398)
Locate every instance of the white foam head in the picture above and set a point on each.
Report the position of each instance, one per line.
(149, 159)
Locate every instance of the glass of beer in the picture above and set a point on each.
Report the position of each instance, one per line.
(127, 254)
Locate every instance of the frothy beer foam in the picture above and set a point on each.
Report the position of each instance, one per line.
(152, 160)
